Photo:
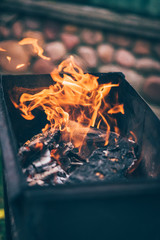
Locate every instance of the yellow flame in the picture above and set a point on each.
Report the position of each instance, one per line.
(117, 109)
(20, 66)
(8, 58)
(74, 97)
(37, 49)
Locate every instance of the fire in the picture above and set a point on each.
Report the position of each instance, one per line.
(37, 49)
(132, 136)
(39, 145)
(2, 50)
(74, 104)
(20, 66)
(8, 58)
(11, 56)
(117, 109)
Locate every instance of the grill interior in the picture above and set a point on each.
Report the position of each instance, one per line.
(137, 118)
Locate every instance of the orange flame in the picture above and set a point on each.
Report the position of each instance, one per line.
(133, 137)
(8, 58)
(117, 109)
(20, 66)
(37, 49)
(2, 50)
(39, 145)
(74, 97)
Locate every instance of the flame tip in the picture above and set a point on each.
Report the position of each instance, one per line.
(36, 48)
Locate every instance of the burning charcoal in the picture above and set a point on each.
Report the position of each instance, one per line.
(44, 162)
(75, 157)
(30, 171)
(108, 163)
(49, 160)
(53, 176)
(36, 182)
(59, 163)
(59, 178)
(95, 138)
(53, 155)
(33, 148)
(66, 157)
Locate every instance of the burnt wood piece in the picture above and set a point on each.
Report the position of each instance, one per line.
(108, 163)
(45, 171)
(49, 169)
(34, 147)
(68, 158)
(47, 160)
(53, 176)
(60, 163)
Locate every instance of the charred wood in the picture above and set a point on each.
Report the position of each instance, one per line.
(108, 163)
(48, 160)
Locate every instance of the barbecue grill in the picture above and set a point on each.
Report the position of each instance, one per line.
(121, 209)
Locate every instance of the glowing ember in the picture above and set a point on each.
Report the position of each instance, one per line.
(73, 104)
(100, 175)
(37, 49)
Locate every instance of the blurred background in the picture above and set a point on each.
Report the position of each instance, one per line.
(103, 36)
